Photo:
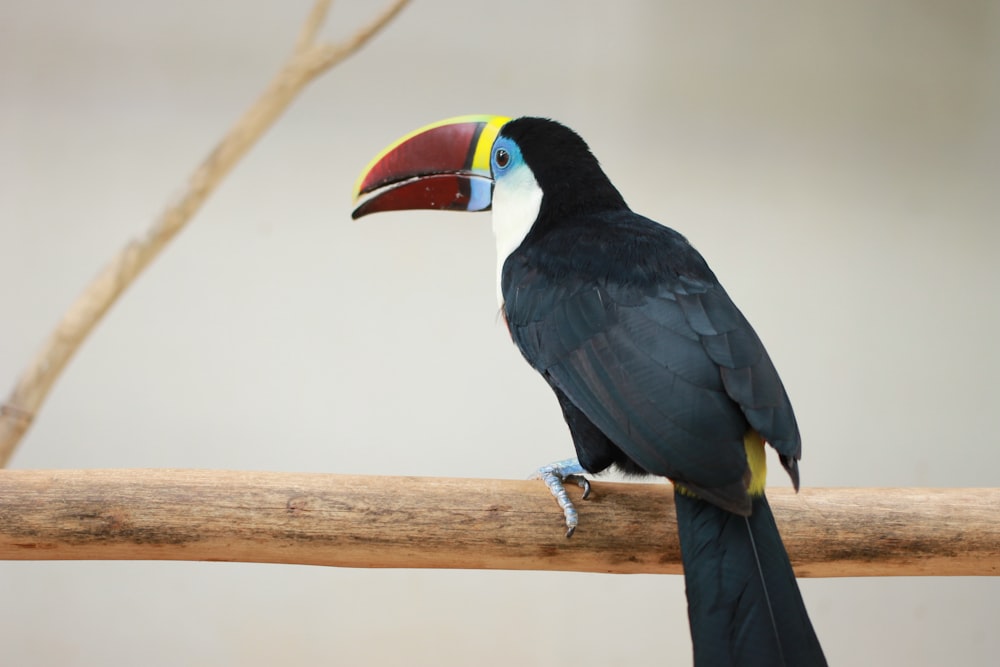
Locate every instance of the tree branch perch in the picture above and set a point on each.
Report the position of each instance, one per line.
(421, 522)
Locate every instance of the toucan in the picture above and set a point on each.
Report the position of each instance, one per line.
(656, 370)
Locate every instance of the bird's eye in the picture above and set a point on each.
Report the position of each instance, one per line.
(502, 158)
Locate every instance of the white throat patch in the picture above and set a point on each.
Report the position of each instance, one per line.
(517, 199)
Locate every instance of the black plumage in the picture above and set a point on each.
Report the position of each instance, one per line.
(744, 605)
(658, 372)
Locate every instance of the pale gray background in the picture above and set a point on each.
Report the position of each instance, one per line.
(837, 162)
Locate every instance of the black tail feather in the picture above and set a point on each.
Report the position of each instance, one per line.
(744, 604)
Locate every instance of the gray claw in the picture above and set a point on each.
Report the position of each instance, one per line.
(555, 475)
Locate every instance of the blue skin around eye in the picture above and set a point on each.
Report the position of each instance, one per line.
(512, 150)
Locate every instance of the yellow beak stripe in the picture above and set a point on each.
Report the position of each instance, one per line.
(481, 158)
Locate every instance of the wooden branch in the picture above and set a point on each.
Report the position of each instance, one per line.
(417, 522)
(308, 60)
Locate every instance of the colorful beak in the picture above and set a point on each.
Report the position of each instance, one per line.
(443, 166)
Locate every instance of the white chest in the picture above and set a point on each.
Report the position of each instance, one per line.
(517, 199)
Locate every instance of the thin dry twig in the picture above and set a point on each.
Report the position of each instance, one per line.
(309, 59)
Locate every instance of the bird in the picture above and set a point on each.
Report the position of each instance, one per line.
(656, 370)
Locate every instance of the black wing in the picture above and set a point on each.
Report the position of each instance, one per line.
(657, 357)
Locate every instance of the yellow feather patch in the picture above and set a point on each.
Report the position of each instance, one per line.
(756, 476)
(757, 461)
(684, 491)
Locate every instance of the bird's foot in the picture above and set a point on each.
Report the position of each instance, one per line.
(555, 475)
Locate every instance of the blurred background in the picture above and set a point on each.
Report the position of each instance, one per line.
(837, 163)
